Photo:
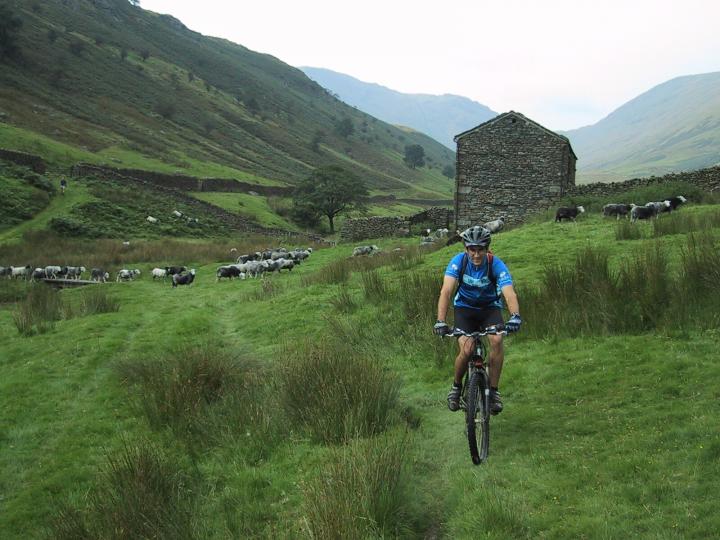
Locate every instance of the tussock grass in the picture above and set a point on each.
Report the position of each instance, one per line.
(361, 491)
(95, 300)
(40, 249)
(682, 222)
(269, 288)
(39, 311)
(625, 230)
(343, 301)
(374, 287)
(333, 273)
(141, 493)
(12, 290)
(588, 298)
(334, 392)
(203, 394)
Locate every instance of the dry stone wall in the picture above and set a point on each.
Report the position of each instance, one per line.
(381, 227)
(706, 179)
(36, 163)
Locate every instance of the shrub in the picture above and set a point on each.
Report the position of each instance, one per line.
(361, 491)
(39, 311)
(203, 394)
(141, 493)
(335, 392)
(627, 231)
(95, 299)
(66, 226)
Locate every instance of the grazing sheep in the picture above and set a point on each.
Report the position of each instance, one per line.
(495, 225)
(172, 270)
(365, 250)
(151, 219)
(99, 275)
(183, 279)
(230, 271)
(127, 275)
(177, 213)
(568, 213)
(159, 273)
(18, 272)
(616, 210)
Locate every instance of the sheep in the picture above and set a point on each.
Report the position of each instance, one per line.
(126, 244)
(52, 271)
(254, 268)
(183, 279)
(660, 206)
(172, 270)
(299, 255)
(99, 275)
(37, 274)
(24, 272)
(675, 202)
(74, 272)
(177, 213)
(440, 234)
(229, 271)
(159, 273)
(127, 275)
(642, 212)
(151, 219)
(280, 264)
(616, 210)
(495, 225)
(365, 250)
(568, 213)
(5, 271)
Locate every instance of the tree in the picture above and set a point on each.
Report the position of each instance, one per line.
(449, 171)
(414, 156)
(345, 128)
(9, 26)
(328, 191)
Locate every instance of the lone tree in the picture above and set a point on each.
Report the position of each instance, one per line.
(414, 156)
(345, 127)
(328, 191)
(449, 171)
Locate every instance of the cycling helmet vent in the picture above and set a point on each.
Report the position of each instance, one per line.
(476, 236)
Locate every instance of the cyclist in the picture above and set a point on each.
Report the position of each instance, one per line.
(477, 305)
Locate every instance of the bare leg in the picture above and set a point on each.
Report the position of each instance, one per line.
(496, 359)
(465, 350)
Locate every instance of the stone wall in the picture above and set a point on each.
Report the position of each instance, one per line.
(508, 165)
(36, 163)
(230, 220)
(706, 179)
(181, 182)
(382, 227)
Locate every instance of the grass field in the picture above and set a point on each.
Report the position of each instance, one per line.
(603, 436)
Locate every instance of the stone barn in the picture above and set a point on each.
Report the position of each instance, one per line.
(509, 166)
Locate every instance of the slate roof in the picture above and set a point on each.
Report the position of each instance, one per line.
(519, 117)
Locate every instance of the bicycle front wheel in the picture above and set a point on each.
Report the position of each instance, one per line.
(477, 416)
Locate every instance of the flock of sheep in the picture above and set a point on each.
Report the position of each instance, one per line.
(647, 211)
(271, 260)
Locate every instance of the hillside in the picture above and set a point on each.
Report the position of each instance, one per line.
(441, 117)
(186, 413)
(105, 82)
(672, 127)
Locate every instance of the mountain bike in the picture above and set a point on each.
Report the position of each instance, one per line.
(475, 396)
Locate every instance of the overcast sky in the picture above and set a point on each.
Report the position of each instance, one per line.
(563, 63)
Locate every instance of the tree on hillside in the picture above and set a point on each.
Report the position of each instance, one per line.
(345, 128)
(414, 156)
(449, 171)
(9, 26)
(328, 191)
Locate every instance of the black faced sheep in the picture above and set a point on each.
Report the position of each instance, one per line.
(98, 274)
(616, 210)
(183, 279)
(568, 213)
(172, 270)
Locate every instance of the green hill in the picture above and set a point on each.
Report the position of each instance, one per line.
(312, 403)
(105, 82)
(674, 126)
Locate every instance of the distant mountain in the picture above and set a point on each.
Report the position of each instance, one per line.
(671, 127)
(111, 83)
(441, 117)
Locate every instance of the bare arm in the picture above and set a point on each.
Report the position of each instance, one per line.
(511, 299)
(448, 287)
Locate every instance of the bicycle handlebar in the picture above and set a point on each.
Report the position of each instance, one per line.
(494, 330)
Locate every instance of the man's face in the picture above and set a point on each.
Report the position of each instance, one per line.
(476, 254)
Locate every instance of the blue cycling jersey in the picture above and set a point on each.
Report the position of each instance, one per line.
(476, 290)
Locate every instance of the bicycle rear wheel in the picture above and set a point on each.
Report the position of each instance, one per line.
(477, 416)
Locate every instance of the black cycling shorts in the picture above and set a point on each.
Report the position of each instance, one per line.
(472, 320)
